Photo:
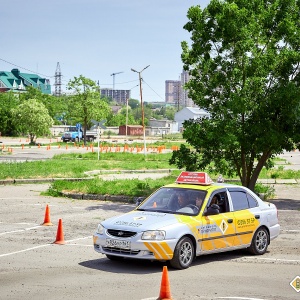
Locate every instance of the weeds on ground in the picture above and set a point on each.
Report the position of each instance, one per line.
(126, 187)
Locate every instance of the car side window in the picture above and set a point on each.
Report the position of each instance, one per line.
(239, 200)
(252, 201)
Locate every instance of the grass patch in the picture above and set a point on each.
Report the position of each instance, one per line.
(280, 172)
(126, 187)
(75, 165)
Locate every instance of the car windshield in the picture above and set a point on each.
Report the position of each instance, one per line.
(174, 201)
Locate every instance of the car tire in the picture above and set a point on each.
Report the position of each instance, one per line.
(260, 242)
(113, 257)
(184, 254)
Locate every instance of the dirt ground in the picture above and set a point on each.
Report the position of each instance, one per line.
(287, 196)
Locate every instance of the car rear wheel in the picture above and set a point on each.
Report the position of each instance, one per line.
(183, 254)
(260, 242)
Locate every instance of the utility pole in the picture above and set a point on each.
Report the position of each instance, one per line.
(127, 99)
(178, 93)
(142, 105)
(113, 75)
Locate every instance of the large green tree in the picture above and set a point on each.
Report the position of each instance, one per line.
(120, 118)
(244, 64)
(32, 117)
(8, 101)
(85, 103)
(56, 105)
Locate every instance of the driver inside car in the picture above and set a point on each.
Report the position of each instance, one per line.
(183, 199)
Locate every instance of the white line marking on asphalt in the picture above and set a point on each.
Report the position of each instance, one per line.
(83, 238)
(24, 250)
(79, 245)
(273, 259)
(276, 259)
(20, 230)
(41, 246)
(241, 298)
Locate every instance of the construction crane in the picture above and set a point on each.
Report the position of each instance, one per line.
(113, 75)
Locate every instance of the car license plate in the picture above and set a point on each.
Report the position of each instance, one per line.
(122, 244)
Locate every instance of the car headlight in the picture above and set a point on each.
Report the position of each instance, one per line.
(154, 235)
(100, 229)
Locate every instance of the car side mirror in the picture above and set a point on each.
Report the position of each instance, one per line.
(212, 210)
(139, 200)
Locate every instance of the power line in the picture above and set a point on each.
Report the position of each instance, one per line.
(153, 90)
(125, 82)
(118, 82)
(25, 68)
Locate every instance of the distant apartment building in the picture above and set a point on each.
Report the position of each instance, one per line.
(185, 100)
(176, 94)
(18, 81)
(172, 91)
(120, 96)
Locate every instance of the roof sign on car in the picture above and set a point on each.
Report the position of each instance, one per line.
(201, 178)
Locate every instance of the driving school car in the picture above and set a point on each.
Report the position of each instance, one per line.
(191, 217)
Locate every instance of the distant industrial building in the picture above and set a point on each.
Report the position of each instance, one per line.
(189, 113)
(131, 130)
(120, 96)
(18, 81)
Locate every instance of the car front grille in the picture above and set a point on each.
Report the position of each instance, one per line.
(120, 251)
(121, 233)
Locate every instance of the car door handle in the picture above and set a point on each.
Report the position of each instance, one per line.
(257, 216)
(229, 221)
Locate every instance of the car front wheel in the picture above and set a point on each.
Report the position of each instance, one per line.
(260, 242)
(183, 254)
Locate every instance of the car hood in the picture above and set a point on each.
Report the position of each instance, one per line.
(140, 221)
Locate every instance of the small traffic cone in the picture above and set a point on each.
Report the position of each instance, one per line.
(165, 293)
(60, 234)
(154, 204)
(47, 221)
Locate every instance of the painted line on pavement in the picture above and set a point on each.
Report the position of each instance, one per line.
(20, 230)
(240, 298)
(272, 259)
(24, 250)
(41, 246)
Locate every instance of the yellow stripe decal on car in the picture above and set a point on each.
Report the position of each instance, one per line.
(160, 250)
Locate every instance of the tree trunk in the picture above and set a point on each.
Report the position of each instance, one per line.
(265, 156)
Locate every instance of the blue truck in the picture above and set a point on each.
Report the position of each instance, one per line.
(73, 134)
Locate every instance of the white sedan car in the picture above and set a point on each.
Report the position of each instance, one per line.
(189, 218)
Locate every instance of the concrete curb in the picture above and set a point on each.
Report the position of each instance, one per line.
(111, 198)
(117, 198)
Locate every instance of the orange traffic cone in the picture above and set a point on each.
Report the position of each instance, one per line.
(60, 234)
(154, 204)
(165, 292)
(47, 221)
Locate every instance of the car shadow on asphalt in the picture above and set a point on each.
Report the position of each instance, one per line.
(286, 204)
(119, 207)
(139, 266)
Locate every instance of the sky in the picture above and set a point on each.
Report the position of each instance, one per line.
(97, 38)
